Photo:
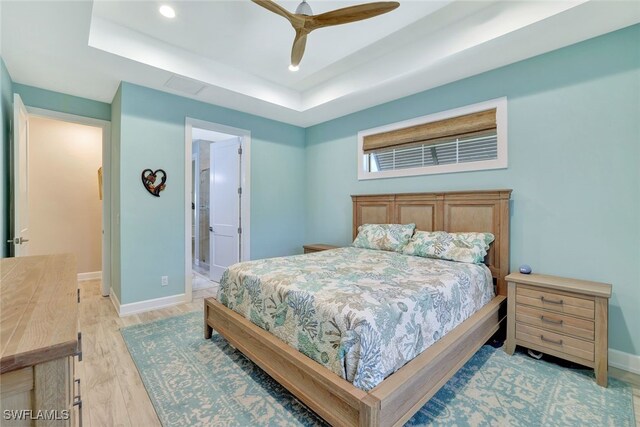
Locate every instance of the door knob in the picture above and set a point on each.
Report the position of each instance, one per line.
(211, 229)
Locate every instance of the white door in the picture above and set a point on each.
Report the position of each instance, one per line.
(195, 218)
(224, 206)
(20, 178)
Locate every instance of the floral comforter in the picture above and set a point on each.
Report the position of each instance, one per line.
(361, 313)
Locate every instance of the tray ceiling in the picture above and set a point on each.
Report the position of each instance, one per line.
(236, 54)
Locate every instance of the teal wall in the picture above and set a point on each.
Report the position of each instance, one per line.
(152, 229)
(116, 116)
(55, 101)
(6, 117)
(574, 156)
(574, 166)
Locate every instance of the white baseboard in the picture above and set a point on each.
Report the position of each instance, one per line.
(92, 275)
(147, 305)
(625, 361)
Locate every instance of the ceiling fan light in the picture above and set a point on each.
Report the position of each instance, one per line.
(304, 9)
(294, 67)
(167, 11)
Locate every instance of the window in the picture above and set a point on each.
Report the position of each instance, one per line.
(464, 139)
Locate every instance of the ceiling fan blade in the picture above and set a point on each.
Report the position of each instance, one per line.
(274, 7)
(351, 14)
(299, 43)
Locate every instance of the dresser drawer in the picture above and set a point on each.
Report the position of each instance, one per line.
(568, 345)
(564, 324)
(560, 303)
(70, 377)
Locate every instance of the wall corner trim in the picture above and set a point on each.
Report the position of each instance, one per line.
(114, 300)
(146, 305)
(91, 275)
(625, 361)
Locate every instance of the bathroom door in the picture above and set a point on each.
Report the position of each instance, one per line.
(224, 206)
(21, 178)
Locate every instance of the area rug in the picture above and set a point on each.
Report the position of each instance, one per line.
(192, 381)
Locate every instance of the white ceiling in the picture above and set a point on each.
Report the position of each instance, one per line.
(240, 51)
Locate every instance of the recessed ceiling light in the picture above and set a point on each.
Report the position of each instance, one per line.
(294, 67)
(167, 11)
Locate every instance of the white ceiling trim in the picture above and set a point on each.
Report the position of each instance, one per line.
(130, 44)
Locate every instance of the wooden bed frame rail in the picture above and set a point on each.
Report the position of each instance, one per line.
(340, 403)
(396, 399)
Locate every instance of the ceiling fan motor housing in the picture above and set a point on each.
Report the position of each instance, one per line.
(304, 9)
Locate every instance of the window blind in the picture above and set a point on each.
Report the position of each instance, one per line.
(469, 126)
(458, 150)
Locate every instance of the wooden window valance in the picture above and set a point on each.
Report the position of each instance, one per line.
(481, 123)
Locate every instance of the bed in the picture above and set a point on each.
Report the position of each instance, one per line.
(375, 363)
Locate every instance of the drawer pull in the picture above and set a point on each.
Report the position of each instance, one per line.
(79, 352)
(77, 401)
(551, 301)
(555, 322)
(559, 342)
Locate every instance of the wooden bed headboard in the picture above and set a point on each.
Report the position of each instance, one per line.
(459, 211)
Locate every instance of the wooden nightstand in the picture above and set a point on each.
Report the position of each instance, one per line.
(317, 247)
(566, 318)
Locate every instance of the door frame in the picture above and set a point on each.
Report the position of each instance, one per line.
(245, 182)
(195, 230)
(106, 181)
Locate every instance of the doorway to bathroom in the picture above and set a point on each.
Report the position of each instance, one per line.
(216, 204)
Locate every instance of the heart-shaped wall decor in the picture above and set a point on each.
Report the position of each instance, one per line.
(150, 181)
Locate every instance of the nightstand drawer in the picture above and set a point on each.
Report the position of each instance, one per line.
(561, 303)
(564, 324)
(568, 345)
(560, 316)
(317, 247)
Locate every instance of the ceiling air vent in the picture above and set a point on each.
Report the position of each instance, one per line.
(181, 84)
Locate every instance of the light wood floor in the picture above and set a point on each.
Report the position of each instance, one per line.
(112, 391)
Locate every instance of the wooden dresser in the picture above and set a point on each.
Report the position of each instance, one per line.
(317, 247)
(566, 318)
(39, 334)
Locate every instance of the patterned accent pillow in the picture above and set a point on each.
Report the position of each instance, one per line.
(384, 237)
(461, 247)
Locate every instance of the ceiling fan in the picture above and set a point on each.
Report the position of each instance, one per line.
(304, 21)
